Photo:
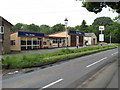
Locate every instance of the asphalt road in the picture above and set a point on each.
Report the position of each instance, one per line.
(69, 74)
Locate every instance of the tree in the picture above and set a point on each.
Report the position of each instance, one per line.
(94, 29)
(46, 29)
(58, 27)
(83, 26)
(77, 28)
(17, 27)
(97, 6)
(33, 27)
(102, 21)
(25, 27)
(70, 28)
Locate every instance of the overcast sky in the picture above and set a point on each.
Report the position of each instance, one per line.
(48, 12)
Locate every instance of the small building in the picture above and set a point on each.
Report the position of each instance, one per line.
(66, 38)
(23, 40)
(90, 38)
(5, 27)
(52, 41)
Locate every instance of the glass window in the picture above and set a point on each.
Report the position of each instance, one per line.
(23, 48)
(23, 42)
(35, 42)
(29, 47)
(29, 42)
(1, 29)
(12, 42)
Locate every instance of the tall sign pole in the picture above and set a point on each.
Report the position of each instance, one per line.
(101, 36)
(66, 22)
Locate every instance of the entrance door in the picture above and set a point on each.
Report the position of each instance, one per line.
(81, 40)
(40, 42)
(94, 41)
(73, 40)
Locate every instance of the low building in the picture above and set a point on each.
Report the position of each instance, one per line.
(67, 38)
(22, 40)
(90, 38)
(51, 41)
(5, 27)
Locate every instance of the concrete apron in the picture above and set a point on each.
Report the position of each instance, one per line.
(102, 78)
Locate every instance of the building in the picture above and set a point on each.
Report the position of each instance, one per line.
(90, 38)
(5, 27)
(52, 41)
(22, 40)
(66, 38)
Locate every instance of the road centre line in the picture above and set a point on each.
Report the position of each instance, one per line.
(114, 53)
(52, 83)
(96, 62)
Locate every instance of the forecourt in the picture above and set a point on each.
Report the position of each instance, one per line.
(68, 74)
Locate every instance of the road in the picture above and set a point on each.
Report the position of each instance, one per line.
(68, 74)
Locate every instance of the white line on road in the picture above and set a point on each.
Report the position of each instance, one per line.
(52, 83)
(96, 62)
(114, 53)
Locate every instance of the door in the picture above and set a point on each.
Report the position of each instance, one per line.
(73, 40)
(81, 40)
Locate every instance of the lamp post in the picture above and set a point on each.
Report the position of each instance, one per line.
(66, 22)
(110, 33)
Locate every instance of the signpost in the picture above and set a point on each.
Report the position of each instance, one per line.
(101, 36)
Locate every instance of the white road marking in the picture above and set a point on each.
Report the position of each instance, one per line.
(114, 53)
(96, 62)
(52, 83)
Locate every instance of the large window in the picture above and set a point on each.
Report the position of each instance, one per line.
(23, 42)
(30, 43)
(12, 42)
(57, 41)
(35, 42)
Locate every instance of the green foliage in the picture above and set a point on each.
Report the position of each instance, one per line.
(46, 29)
(17, 27)
(41, 59)
(102, 21)
(33, 27)
(58, 27)
(96, 7)
(84, 27)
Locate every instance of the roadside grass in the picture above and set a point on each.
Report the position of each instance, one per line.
(117, 44)
(31, 60)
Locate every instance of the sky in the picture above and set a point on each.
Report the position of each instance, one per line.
(49, 12)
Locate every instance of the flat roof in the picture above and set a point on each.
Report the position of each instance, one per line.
(89, 34)
(69, 31)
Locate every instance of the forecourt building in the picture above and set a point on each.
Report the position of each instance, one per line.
(22, 40)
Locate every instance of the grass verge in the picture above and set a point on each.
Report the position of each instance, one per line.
(33, 60)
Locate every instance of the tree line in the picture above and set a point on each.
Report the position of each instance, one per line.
(111, 27)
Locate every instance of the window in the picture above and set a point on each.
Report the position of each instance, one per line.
(29, 42)
(57, 41)
(23, 42)
(35, 42)
(12, 42)
(1, 29)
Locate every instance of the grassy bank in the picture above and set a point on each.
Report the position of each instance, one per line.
(30, 60)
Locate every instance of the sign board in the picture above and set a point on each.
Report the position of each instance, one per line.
(101, 37)
(31, 34)
(101, 28)
(76, 32)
